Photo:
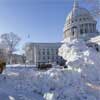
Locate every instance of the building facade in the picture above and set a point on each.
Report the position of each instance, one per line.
(17, 59)
(39, 53)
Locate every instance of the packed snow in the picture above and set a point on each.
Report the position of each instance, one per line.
(80, 81)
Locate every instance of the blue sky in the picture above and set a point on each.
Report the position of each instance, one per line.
(42, 20)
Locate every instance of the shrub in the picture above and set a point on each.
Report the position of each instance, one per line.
(65, 66)
(62, 63)
(2, 66)
(44, 66)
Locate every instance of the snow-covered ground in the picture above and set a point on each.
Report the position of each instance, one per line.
(80, 81)
(54, 84)
(20, 65)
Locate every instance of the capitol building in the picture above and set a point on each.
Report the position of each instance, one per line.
(79, 24)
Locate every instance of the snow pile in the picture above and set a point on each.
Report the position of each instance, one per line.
(65, 84)
(83, 59)
(77, 51)
(80, 81)
(79, 56)
(54, 84)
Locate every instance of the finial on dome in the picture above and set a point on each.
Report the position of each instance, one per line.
(76, 4)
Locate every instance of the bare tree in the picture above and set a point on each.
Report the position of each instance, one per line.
(10, 41)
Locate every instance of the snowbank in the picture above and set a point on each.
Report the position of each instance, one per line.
(54, 84)
(20, 65)
(80, 81)
(79, 56)
(65, 85)
(86, 60)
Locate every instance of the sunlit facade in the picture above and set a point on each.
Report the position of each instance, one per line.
(37, 53)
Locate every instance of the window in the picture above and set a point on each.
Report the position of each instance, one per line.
(43, 57)
(57, 58)
(69, 22)
(57, 52)
(48, 57)
(39, 52)
(76, 20)
(85, 30)
(43, 53)
(73, 33)
(81, 31)
(52, 57)
(52, 51)
(86, 25)
(80, 19)
(43, 49)
(48, 53)
(39, 57)
(82, 25)
(84, 18)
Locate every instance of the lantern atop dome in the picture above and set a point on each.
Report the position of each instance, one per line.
(76, 4)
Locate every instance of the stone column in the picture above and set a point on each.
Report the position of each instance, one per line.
(94, 27)
(88, 28)
(83, 28)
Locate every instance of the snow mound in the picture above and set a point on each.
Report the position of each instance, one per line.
(80, 81)
(79, 56)
(67, 84)
(83, 59)
(54, 84)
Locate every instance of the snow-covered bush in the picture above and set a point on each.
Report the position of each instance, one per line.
(44, 66)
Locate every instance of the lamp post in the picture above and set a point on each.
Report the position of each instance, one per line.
(24, 60)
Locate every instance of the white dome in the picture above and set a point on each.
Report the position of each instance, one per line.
(79, 22)
(78, 12)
